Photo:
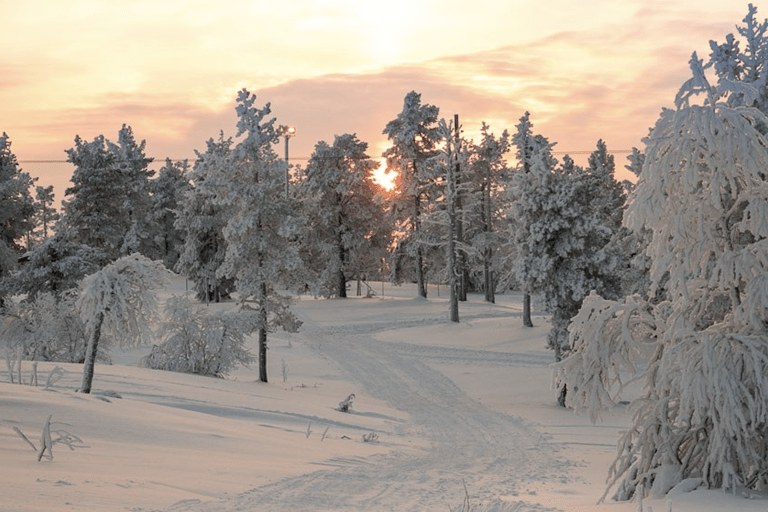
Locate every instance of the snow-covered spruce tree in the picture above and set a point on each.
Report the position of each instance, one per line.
(196, 340)
(415, 137)
(55, 266)
(703, 194)
(262, 235)
(486, 169)
(108, 202)
(45, 217)
(168, 190)
(17, 209)
(201, 221)
(346, 235)
(119, 301)
(530, 150)
(747, 65)
(570, 214)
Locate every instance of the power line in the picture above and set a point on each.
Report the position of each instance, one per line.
(305, 158)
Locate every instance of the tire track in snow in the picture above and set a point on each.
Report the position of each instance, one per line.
(497, 456)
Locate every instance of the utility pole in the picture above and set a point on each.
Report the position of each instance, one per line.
(452, 264)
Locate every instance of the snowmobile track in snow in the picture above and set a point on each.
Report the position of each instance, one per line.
(461, 441)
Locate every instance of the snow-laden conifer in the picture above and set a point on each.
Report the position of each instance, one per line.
(201, 221)
(168, 190)
(119, 301)
(17, 209)
(264, 228)
(703, 195)
(108, 203)
(347, 235)
(414, 135)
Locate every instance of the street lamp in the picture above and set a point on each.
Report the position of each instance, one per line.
(288, 132)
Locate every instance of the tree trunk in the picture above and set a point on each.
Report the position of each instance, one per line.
(341, 279)
(263, 332)
(527, 310)
(263, 352)
(490, 291)
(419, 256)
(90, 355)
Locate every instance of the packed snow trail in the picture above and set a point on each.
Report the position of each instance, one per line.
(499, 458)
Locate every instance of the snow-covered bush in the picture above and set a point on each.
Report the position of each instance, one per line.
(704, 409)
(45, 329)
(198, 340)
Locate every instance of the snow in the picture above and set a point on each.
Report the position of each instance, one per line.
(452, 405)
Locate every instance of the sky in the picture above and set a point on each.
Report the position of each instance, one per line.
(585, 70)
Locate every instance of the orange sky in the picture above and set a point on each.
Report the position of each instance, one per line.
(585, 70)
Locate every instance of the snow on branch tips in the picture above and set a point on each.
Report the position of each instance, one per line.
(699, 332)
(119, 299)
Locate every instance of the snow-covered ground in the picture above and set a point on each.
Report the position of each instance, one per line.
(442, 412)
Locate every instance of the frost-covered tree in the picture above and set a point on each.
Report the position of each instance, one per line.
(108, 203)
(17, 210)
(196, 340)
(262, 234)
(56, 266)
(46, 328)
(45, 216)
(119, 301)
(747, 64)
(703, 195)
(533, 153)
(201, 221)
(487, 169)
(415, 136)
(346, 235)
(168, 191)
(570, 215)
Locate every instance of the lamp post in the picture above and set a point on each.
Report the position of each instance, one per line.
(288, 132)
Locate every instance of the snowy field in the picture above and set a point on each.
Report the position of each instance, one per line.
(438, 408)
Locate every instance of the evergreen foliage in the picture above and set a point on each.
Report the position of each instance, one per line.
(262, 232)
(703, 195)
(201, 220)
(415, 135)
(346, 235)
(109, 203)
(16, 214)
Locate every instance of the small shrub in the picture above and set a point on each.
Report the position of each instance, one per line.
(345, 404)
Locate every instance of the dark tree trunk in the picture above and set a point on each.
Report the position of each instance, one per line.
(490, 291)
(90, 355)
(527, 310)
(263, 332)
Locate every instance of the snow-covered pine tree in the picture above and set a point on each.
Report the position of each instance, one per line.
(45, 217)
(415, 137)
(263, 231)
(531, 150)
(168, 191)
(17, 209)
(570, 215)
(346, 233)
(55, 266)
(201, 221)
(119, 301)
(703, 194)
(486, 171)
(109, 198)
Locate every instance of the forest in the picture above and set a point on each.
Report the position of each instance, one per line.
(663, 280)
